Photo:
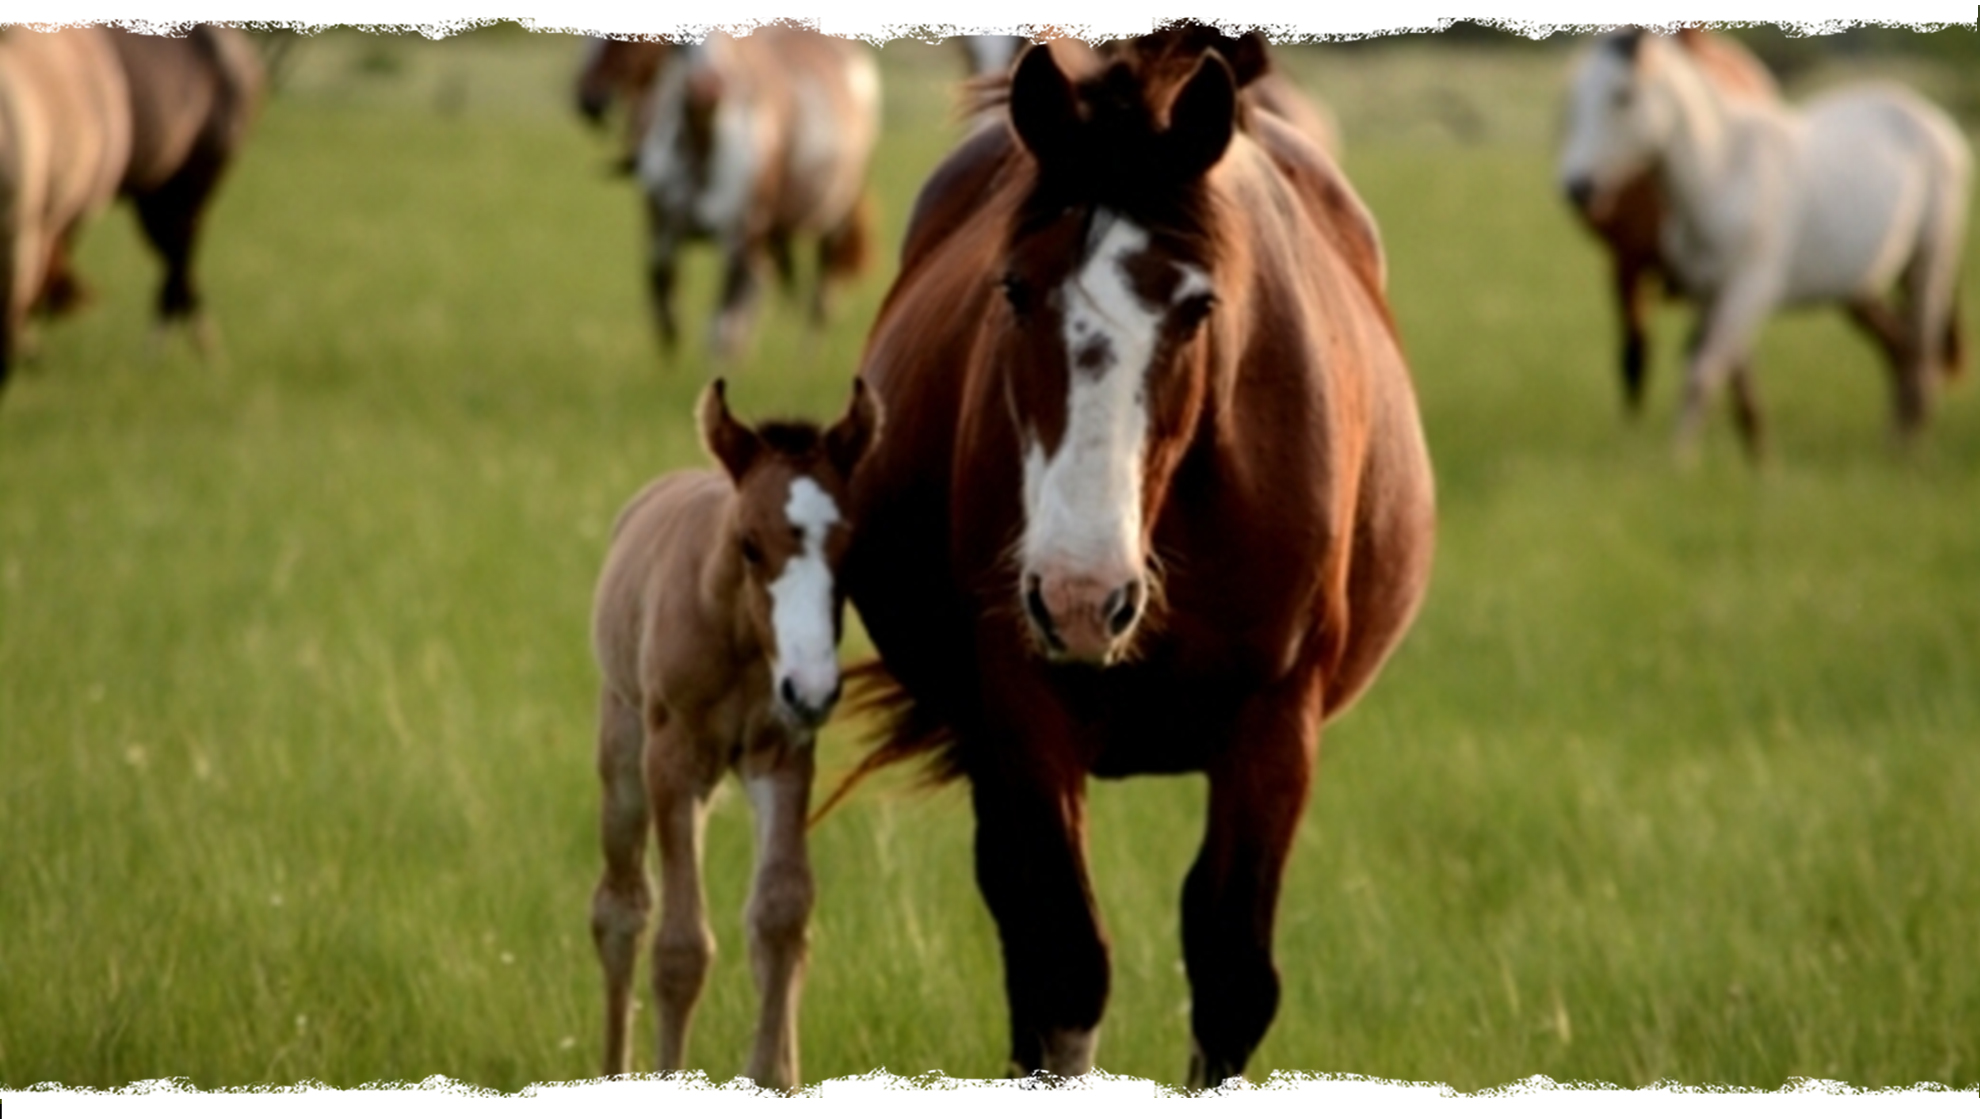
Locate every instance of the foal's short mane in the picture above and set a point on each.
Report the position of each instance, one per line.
(791, 438)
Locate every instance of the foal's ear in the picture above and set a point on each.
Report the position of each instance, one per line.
(1044, 111)
(731, 443)
(1202, 118)
(848, 440)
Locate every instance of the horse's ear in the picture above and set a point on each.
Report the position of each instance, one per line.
(1202, 118)
(1248, 56)
(849, 439)
(1627, 43)
(731, 443)
(1044, 110)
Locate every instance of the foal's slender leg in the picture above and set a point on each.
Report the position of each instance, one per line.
(620, 905)
(780, 899)
(1031, 868)
(1258, 788)
(678, 786)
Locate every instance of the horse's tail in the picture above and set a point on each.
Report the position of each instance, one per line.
(845, 251)
(911, 731)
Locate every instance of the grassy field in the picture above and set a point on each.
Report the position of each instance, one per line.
(295, 694)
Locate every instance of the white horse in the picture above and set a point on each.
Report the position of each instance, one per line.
(1860, 190)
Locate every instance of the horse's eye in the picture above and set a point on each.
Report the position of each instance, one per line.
(1016, 292)
(752, 554)
(1191, 312)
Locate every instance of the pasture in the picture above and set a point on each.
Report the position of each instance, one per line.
(1673, 779)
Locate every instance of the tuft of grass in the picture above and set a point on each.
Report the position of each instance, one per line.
(1670, 780)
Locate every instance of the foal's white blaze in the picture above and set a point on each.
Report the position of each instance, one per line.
(1083, 498)
(801, 602)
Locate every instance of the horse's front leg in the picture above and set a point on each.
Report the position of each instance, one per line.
(779, 909)
(662, 249)
(1030, 802)
(623, 899)
(1259, 780)
(678, 782)
(730, 332)
(1632, 302)
(1730, 321)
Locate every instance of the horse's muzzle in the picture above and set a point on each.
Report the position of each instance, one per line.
(1079, 618)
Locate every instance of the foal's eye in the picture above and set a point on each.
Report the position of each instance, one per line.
(1016, 292)
(752, 554)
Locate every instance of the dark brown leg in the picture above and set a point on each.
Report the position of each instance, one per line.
(1030, 806)
(1632, 301)
(1258, 788)
(1746, 413)
(171, 218)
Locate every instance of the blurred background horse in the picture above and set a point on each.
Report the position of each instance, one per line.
(1630, 220)
(193, 99)
(65, 144)
(1863, 189)
(754, 143)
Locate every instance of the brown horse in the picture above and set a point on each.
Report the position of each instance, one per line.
(620, 71)
(1154, 499)
(1631, 223)
(65, 140)
(192, 101)
(752, 143)
(717, 627)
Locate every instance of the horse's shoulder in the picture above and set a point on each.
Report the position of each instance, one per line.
(1330, 201)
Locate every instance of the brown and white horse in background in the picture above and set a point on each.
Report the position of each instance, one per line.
(1154, 499)
(753, 143)
(620, 72)
(65, 142)
(716, 628)
(1862, 190)
(1630, 220)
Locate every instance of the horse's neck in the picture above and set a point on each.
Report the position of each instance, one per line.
(1698, 154)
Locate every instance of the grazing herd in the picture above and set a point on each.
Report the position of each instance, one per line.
(1132, 480)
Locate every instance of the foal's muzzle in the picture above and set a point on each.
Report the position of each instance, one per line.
(807, 710)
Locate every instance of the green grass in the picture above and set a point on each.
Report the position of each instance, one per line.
(1673, 779)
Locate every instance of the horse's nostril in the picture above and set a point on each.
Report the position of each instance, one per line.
(1123, 607)
(1581, 191)
(789, 691)
(832, 700)
(1034, 604)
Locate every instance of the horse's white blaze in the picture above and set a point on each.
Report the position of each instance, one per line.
(1083, 497)
(801, 601)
